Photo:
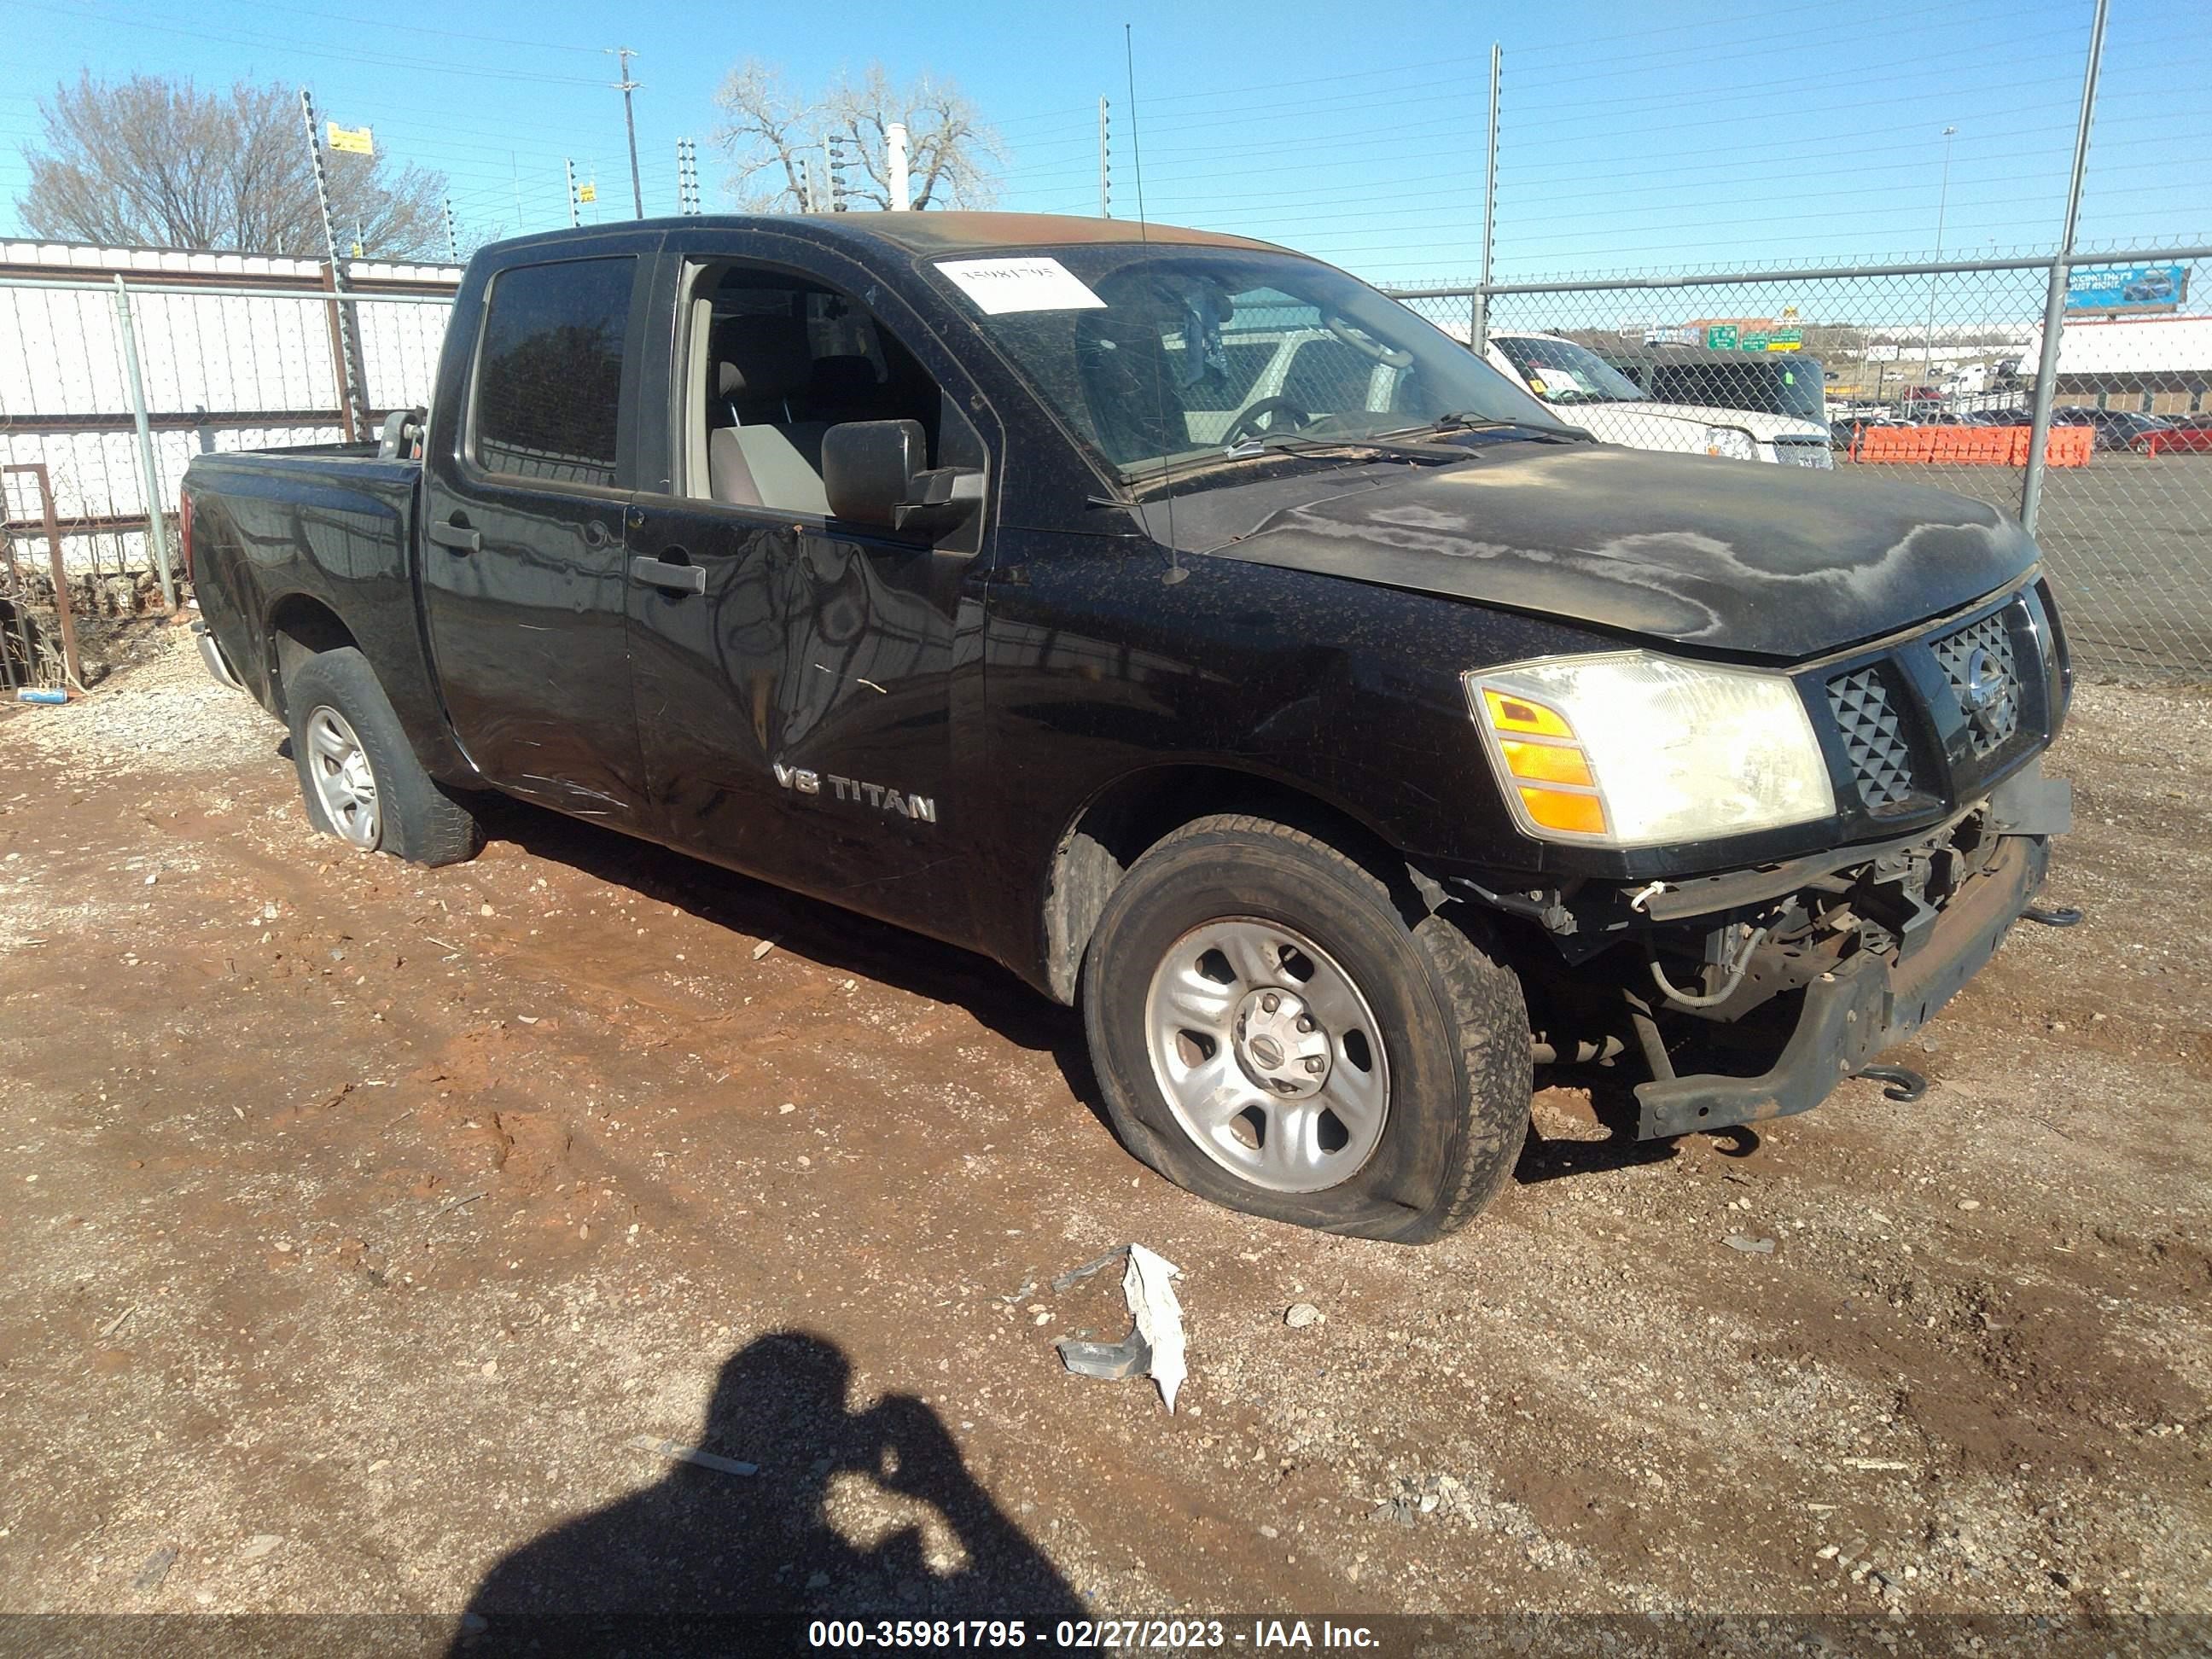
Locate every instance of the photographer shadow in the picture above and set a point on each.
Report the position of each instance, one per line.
(686, 1563)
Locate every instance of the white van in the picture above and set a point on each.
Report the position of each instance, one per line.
(1593, 394)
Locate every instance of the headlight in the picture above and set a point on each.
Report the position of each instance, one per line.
(1731, 442)
(1630, 749)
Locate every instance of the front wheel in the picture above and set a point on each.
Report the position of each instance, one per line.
(1271, 1032)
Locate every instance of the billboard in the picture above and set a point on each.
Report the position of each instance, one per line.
(2126, 287)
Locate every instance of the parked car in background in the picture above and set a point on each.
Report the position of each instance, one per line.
(1773, 383)
(2116, 429)
(1592, 393)
(2191, 433)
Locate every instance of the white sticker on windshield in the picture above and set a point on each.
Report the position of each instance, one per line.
(999, 286)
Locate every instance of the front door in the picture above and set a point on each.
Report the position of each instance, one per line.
(795, 689)
(796, 675)
(524, 578)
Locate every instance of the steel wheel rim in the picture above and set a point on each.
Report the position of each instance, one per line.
(345, 782)
(1288, 1107)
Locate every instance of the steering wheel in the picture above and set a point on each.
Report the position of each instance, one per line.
(1248, 424)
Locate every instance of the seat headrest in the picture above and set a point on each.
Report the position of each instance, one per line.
(765, 358)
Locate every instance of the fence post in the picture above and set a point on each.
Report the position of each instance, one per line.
(353, 395)
(1479, 313)
(157, 527)
(2054, 302)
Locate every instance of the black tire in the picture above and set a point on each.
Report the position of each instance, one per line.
(1452, 1018)
(417, 820)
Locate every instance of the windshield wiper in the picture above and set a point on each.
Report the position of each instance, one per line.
(1299, 444)
(1257, 449)
(1467, 421)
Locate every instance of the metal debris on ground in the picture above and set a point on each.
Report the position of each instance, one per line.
(683, 1453)
(1154, 1346)
(156, 1569)
(1749, 1246)
(1075, 1276)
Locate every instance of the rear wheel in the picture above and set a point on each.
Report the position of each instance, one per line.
(357, 772)
(1272, 1032)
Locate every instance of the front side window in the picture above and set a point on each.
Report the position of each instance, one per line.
(549, 373)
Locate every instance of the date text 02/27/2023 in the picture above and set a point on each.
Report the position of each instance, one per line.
(1257, 1634)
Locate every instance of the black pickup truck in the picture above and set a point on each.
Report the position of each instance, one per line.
(1196, 631)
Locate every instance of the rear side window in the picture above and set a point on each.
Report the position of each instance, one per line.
(548, 375)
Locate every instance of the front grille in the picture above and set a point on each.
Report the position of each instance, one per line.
(1978, 660)
(1805, 452)
(1874, 737)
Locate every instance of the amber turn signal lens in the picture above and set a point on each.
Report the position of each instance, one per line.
(1547, 763)
(1512, 713)
(1557, 808)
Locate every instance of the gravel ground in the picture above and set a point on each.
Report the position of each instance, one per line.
(363, 1217)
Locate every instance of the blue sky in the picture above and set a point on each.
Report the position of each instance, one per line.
(1634, 134)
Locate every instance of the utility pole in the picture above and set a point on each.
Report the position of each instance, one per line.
(894, 165)
(1478, 322)
(1105, 153)
(836, 146)
(807, 203)
(575, 217)
(452, 241)
(1942, 201)
(2054, 302)
(356, 408)
(626, 86)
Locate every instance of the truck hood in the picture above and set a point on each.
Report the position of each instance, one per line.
(1769, 562)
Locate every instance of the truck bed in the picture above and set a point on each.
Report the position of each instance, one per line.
(303, 538)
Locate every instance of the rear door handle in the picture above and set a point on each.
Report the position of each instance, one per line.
(675, 578)
(460, 538)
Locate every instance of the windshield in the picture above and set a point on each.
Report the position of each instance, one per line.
(1159, 355)
(1561, 371)
(1785, 384)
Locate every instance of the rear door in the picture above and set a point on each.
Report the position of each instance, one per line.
(525, 578)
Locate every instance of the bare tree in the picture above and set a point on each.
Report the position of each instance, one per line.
(152, 161)
(952, 159)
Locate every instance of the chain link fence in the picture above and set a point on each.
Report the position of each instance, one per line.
(1925, 374)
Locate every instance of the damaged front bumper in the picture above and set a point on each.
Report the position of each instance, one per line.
(1864, 1006)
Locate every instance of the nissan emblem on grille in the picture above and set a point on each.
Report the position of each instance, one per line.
(1978, 660)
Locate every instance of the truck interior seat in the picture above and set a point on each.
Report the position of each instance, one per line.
(766, 459)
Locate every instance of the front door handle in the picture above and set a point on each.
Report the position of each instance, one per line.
(675, 578)
(458, 536)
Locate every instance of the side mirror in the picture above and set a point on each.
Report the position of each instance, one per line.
(866, 467)
(872, 472)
